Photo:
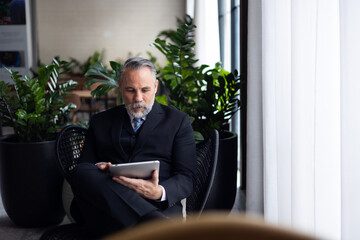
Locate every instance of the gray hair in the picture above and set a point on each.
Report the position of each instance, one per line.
(135, 64)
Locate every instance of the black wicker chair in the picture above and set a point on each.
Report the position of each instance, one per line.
(69, 145)
(207, 155)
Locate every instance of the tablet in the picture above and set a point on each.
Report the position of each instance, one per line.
(135, 169)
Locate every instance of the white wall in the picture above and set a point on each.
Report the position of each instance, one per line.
(78, 28)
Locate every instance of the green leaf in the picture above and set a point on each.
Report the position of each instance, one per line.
(198, 136)
(21, 122)
(115, 65)
(162, 99)
(21, 114)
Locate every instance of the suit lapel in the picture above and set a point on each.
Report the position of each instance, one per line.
(117, 127)
(152, 120)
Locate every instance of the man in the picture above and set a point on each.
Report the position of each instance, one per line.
(107, 203)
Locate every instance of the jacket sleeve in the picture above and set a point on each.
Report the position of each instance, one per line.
(180, 185)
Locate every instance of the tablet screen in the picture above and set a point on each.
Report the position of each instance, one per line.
(135, 169)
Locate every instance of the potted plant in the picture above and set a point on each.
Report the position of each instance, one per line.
(209, 96)
(31, 183)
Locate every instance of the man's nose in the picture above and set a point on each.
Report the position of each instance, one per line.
(138, 97)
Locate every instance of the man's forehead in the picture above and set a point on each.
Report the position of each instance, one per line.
(132, 83)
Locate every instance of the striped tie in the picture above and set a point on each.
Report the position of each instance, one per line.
(137, 124)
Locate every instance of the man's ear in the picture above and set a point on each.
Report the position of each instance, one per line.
(156, 85)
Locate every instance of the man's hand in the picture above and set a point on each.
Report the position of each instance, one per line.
(104, 166)
(146, 188)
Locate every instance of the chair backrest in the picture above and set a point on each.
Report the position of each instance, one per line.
(207, 155)
(69, 144)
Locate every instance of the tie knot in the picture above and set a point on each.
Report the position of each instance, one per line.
(137, 123)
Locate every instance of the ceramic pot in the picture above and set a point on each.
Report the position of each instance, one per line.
(31, 183)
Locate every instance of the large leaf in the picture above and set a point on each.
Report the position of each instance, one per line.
(108, 79)
(162, 99)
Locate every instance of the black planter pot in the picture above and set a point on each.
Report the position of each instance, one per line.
(223, 193)
(31, 184)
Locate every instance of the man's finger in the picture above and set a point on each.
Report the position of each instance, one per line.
(126, 181)
(155, 174)
(118, 180)
(103, 165)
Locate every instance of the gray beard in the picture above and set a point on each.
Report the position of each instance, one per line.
(139, 114)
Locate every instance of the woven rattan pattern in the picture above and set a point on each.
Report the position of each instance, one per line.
(69, 145)
(206, 161)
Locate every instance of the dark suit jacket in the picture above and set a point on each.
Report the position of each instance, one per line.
(166, 135)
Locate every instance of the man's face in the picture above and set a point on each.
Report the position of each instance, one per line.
(138, 91)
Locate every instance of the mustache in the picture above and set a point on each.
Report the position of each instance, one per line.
(137, 105)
